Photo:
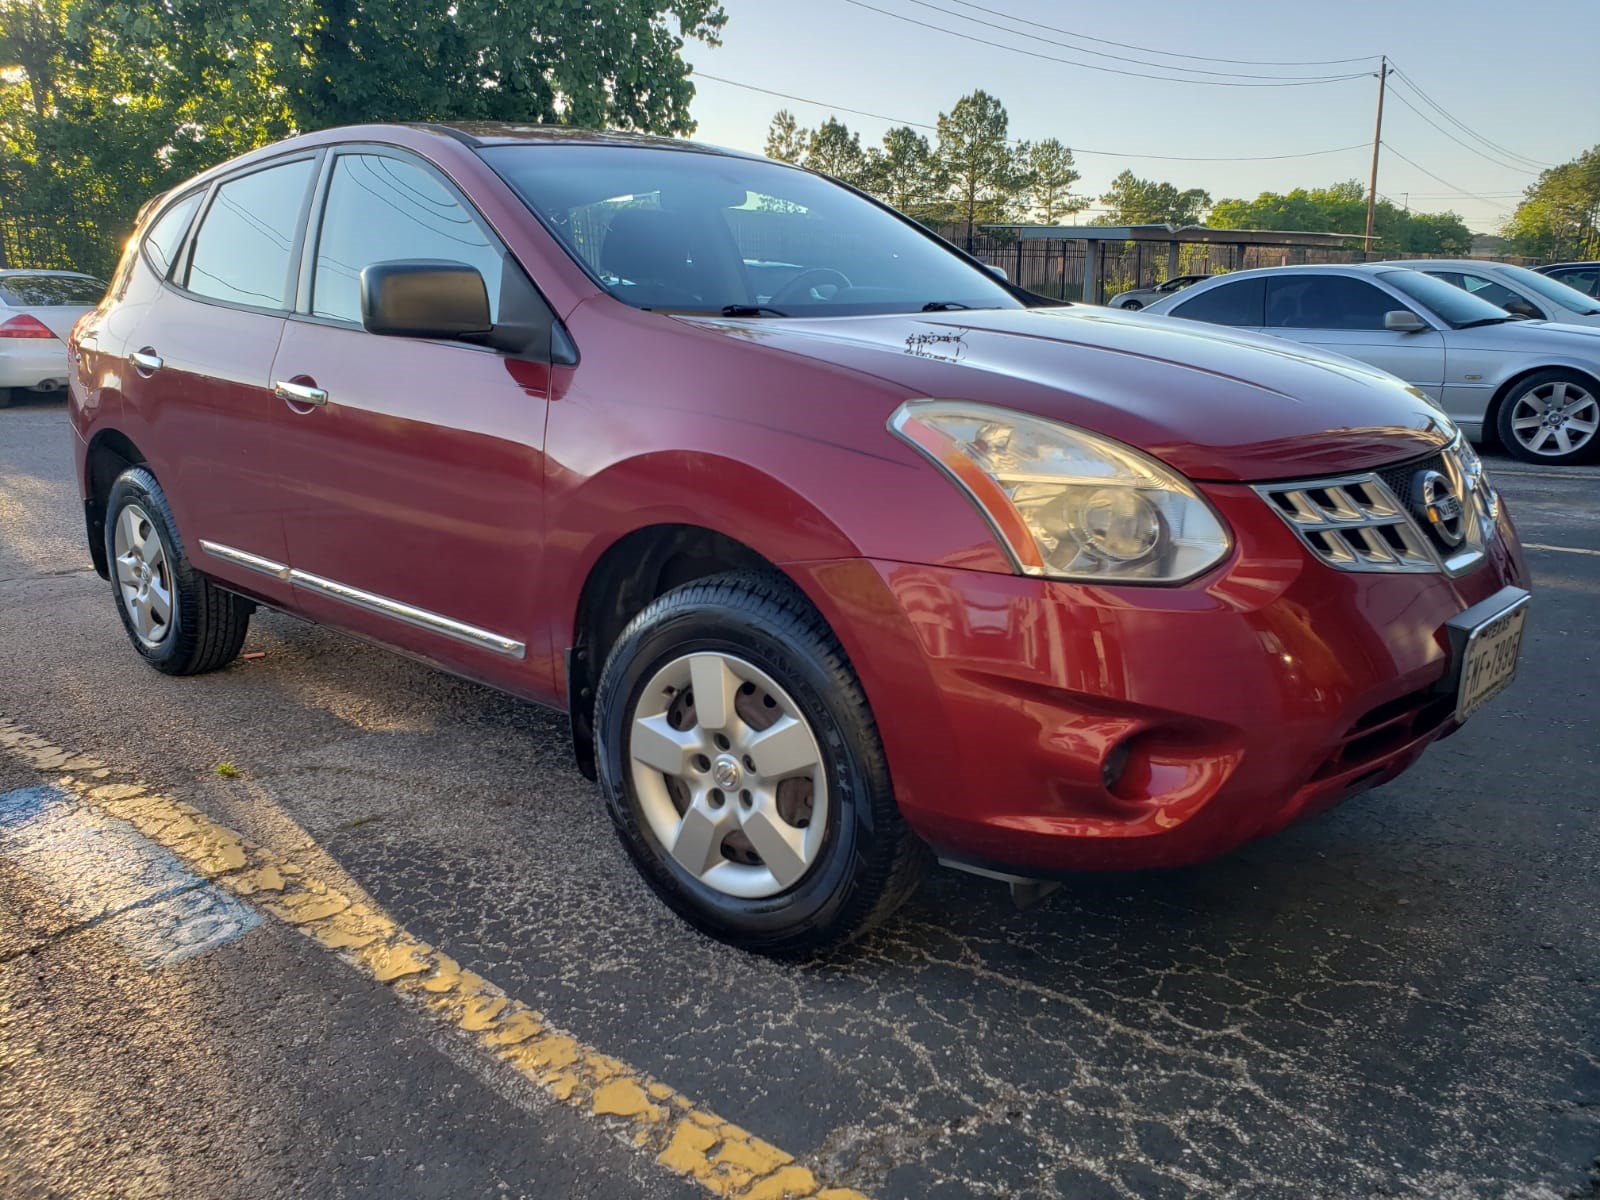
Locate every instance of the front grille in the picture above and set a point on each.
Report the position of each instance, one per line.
(1354, 523)
(1368, 522)
(1386, 729)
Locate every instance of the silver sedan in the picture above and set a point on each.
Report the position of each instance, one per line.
(1521, 292)
(1532, 385)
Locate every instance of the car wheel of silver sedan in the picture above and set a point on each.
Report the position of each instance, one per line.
(743, 769)
(1552, 417)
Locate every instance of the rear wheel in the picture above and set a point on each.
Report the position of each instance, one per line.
(743, 771)
(1132, 305)
(1551, 417)
(179, 621)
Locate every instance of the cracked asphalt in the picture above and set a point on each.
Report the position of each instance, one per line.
(1400, 998)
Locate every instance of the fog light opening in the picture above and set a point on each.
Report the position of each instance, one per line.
(1115, 764)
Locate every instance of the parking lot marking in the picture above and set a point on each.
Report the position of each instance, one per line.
(105, 874)
(1560, 549)
(647, 1115)
(1497, 469)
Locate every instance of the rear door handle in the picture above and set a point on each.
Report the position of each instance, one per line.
(147, 361)
(300, 393)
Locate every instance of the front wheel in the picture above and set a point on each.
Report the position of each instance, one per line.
(1132, 305)
(1551, 417)
(177, 619)
(743, 770)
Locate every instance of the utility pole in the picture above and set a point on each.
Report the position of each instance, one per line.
(1377, 141)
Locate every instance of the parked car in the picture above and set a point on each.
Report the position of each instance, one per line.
(884, 562)
(1532, 386)
(1583, 276)
(1521, 292)
(37, 311)
(1137, 298)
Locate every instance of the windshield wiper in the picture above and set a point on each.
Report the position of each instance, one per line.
(751, 310)
(943, 306)
(1489, 321)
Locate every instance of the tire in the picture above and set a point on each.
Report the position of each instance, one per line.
(7, 397)
(204, 626)
(1528, 402)
(864, 862)
(1131, 305)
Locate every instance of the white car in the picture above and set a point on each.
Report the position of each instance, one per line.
(1521, 292)
(37, 311)
(1140, 297)
(1533, 385)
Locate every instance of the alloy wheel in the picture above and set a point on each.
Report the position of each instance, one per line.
(728, 774)
(143, 575)
(1555, 418)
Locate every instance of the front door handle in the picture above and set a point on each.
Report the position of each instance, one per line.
(147, 361)
(300, 393)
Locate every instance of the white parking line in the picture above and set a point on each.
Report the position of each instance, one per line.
(1560, 549)
(1496, 471)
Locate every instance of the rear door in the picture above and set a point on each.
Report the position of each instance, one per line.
(413, 483)
(197, 368)
(1345, 315)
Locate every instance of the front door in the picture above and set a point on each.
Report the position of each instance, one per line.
(1345, 315)
(412, 468)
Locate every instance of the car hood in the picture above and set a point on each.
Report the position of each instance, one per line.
(1533, 337)
(1216, 404)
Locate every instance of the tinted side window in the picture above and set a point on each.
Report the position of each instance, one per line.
(241, 253)
(1326, 302)
(1231, 304)
(1494, 293)
(161, 243)
(1586, 280)
(382, 209)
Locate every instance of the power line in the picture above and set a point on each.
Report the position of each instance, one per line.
(1103, 53)
(1239, 62)
(910, 20)
(1459, 190)
(857, 112)
(1461, 125)
(1520, 170)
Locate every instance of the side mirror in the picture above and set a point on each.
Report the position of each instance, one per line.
(998, 271)
(424, 298)
(1403, 320)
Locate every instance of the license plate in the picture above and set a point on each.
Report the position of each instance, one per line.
(1489, 656)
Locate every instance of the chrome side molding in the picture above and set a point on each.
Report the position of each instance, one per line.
(421, 618)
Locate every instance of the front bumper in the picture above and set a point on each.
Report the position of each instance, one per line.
(1039, 727)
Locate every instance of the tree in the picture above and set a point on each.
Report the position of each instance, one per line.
(103, 104)
(786, 141)
(1342, 208)
(1050, 176)
(1135, 201)
(906, 174)
(1559, 216)
(832, 149)
(985, 173)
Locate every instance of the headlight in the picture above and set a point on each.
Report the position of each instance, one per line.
(1068, 504)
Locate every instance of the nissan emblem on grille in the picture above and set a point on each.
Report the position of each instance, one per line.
(1433, 495)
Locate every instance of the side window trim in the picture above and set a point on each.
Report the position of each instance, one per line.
(318, 212)
(185, 256)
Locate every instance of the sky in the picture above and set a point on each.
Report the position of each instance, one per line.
(1494, 68)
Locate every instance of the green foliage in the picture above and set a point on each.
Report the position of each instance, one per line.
(786, 141)
(1135, 201)
(986, 174)
(1342, 208)
(1559, 216)
(906, 174)
(834, 150)
(103, 105)
(1051, 174)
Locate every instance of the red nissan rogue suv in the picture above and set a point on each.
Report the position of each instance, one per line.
(841, 552)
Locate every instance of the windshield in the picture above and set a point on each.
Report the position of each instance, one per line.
(45, 291)
(1551, 289)
(1449, 303)
(709, 233)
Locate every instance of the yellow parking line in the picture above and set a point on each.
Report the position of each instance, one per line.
(648, 1115)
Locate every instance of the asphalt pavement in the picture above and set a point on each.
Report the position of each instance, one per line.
(1399, 998)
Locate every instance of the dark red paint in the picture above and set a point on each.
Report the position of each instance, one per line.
(486, 489)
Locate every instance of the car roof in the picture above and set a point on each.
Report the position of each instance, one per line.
(1575, 263)
(507, 133)
(1461, 264)
(12, 272)
(1377, 268)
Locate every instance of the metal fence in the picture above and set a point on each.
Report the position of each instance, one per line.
(58, 244)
